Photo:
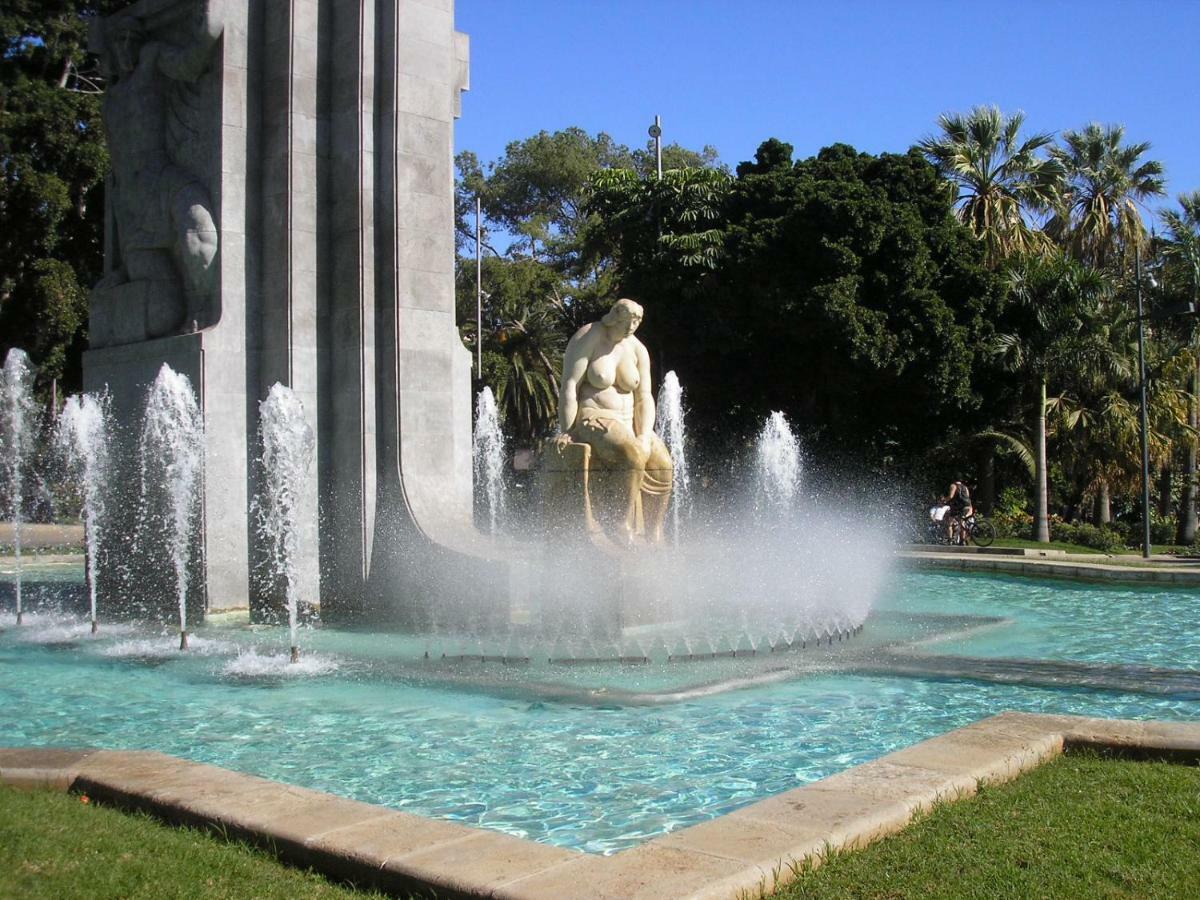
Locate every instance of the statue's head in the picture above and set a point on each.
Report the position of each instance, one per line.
(126, 36)
(624, 317)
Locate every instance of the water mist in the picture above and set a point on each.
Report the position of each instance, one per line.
(488, 455)
(673, 433)
(288, 445)
(172, 457)
(82, 436)
(16, 445)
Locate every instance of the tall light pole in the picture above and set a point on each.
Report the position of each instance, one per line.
(1145, 415)
(655, 132)
(478, 290)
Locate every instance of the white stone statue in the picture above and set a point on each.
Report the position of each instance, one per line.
(605, 402)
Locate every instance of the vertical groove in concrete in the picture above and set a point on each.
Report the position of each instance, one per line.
(348, 495)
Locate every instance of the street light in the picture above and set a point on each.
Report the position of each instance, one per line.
(655, 131)
(1145, 414)
(1181, 309)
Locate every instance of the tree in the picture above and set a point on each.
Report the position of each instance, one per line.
(1051, 329)
(523, 340)
(52, 165)
(839, 289)
(999, 178)
(1105, 181)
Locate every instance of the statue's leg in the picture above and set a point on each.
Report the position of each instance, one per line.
(195, 248)
(656, 487)
(617, 450)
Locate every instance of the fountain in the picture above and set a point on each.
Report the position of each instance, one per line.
(288, 445)
(674, 435)
(82, 435)
(778, 458)
(16, 445)
(172, 461)
(488, 456)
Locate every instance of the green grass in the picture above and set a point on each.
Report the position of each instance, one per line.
(54, 846)
(1080, 826)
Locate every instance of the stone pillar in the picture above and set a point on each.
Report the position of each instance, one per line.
(186, 79)
(319, 135)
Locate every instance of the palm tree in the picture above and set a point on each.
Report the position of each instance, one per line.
(1052, 329)
(999, 178)
(1183, 251)
(1105, 183)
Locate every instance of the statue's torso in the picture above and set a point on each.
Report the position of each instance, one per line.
(612, 377)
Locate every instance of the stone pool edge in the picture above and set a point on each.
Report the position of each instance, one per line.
(1037, 567)
(746, 853)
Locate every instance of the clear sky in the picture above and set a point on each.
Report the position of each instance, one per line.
(876, 75)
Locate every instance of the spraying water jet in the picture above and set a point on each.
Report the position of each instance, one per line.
(288, 445)
(172, 458)
(16, 446)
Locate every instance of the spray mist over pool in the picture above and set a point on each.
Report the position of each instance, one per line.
(17, 423)
(288, 445)
(749, 578)
(82, 436)
(172, 458)
(488, 456)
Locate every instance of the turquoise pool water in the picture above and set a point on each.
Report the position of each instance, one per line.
(364, 720)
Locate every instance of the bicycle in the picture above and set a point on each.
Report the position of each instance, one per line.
(977, 530)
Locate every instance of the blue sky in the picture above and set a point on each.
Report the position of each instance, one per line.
(872, 74)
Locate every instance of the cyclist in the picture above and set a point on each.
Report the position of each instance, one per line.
(959, 498)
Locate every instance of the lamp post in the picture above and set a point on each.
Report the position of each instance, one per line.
(1145, 415)
(655, 131)
(478, 290)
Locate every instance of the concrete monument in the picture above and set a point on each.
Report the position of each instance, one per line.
(281, 210)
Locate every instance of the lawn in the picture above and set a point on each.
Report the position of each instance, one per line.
(57, 847)
(1079, 826)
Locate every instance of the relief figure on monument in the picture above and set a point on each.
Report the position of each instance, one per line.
(163, 239)
(606, 406)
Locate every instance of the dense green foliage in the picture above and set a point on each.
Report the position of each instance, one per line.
(1079, 826)
(839, 289)
(52, 167)
(53, 846)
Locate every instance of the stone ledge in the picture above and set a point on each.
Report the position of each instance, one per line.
(750, 851)
(1049, 568)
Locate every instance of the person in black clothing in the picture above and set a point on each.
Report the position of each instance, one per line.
(959, 497)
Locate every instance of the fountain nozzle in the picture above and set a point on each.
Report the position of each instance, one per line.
(20, 617)
(95, 626)
(183, 641)
(295, 655)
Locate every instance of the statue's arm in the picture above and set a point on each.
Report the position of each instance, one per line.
(575, 364)
(187, 63)
(643, 399)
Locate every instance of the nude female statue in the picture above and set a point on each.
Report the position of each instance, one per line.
(605, 401)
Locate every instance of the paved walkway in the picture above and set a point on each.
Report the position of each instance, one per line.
(1056, 564)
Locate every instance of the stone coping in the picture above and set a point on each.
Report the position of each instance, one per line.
(748, 852)
(1053, 568)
